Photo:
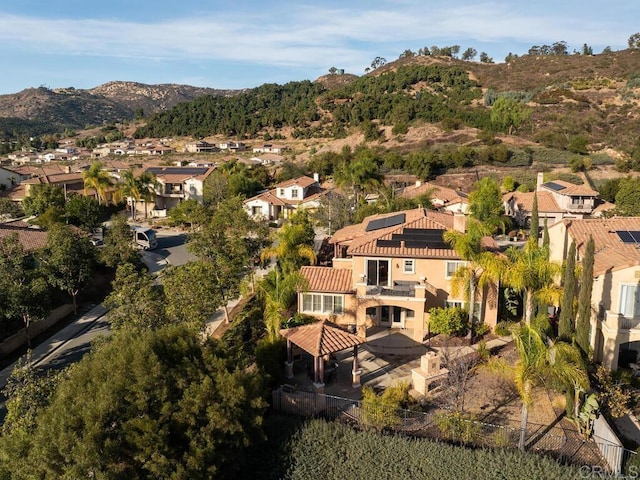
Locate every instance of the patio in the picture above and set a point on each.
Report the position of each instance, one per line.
(387, 357)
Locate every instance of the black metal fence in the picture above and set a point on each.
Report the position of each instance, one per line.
(565, 445)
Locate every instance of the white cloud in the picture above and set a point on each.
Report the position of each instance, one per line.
(303, 36)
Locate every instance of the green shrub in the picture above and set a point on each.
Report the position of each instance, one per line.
(458, 426)
(503, 329)
(270, 357)
(381, 411)
(448, 321)
(482, 329)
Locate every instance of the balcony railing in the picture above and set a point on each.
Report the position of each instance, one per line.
(398, 289)
(618, 322)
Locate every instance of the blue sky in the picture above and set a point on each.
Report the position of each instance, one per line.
(238, 44)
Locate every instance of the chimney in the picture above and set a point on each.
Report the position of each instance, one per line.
(67, 169)
(316, 177)
(540, 181)
(418, 183)
(459, 222)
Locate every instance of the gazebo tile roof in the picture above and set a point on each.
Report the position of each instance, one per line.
(321, 338)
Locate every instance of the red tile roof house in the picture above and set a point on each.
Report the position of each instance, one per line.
(282, 200)
(615, 298)
(177, 184)
(556, 200)
(442, 198)
(388, 271)
(32, 239)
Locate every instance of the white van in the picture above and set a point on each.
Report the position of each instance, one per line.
(145, 238)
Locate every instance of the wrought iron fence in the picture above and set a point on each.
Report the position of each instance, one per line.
(566, 446)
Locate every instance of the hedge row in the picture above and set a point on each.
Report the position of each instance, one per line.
(333, 451)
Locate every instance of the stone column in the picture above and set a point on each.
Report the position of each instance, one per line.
(356, 372)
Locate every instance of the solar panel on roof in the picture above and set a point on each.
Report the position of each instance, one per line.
(636, 235)
(416, 244)
(554, 186)
(625, 236)
(388, 243)
(177, 170)
(391, 221)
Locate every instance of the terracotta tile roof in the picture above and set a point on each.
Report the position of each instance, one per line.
(524, 200)
(571, 189)
(268, 197)
(321, 338)
(327, 279)
(17, 192)
(368, 245)
(55, 178)
(30, 238)
(610, 252)
(352, 231)
(438, 194)
(300, 181)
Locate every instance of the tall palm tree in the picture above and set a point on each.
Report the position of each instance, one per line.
(529, 271)
(541, 362)
(474, 276)
(128, 189)
(147, 185)
(277, 291)
(293, 244)
(98, 179)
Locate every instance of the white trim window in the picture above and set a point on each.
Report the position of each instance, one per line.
(408, 265)
(454, 304)
(322, 303)
(294, 193)
(452, 267)
(630, 300)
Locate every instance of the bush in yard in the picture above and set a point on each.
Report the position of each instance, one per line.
(448, 321)
(458, 426)
(380, 411)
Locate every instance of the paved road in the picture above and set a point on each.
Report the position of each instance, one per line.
(72, 342)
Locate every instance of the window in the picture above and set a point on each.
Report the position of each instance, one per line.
(281, 194)
(257, 210)
(378, 272)
(630, 300)
(294, 193)
(452, 267)
(454, 304)
(409, 266)
(322, 303)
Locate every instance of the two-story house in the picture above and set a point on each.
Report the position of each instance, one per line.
(201, 147)
(389, 271)
(282, 200)
(270, 148)
(442, 198)
(615, 298)
(557, 200)
(177, 184)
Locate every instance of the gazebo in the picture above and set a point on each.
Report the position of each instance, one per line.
(321, 339)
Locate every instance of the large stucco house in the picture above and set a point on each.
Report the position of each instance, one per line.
(557, 200)
(615, 299)
(176, 184)
(286, 197)
(388, 271)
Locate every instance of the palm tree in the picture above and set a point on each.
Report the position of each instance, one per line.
(544, 363)
(147, 185)
(128, 188)
(293, 244)
(474, 276)
(277, 291)
(529, 271)
(98, 179)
